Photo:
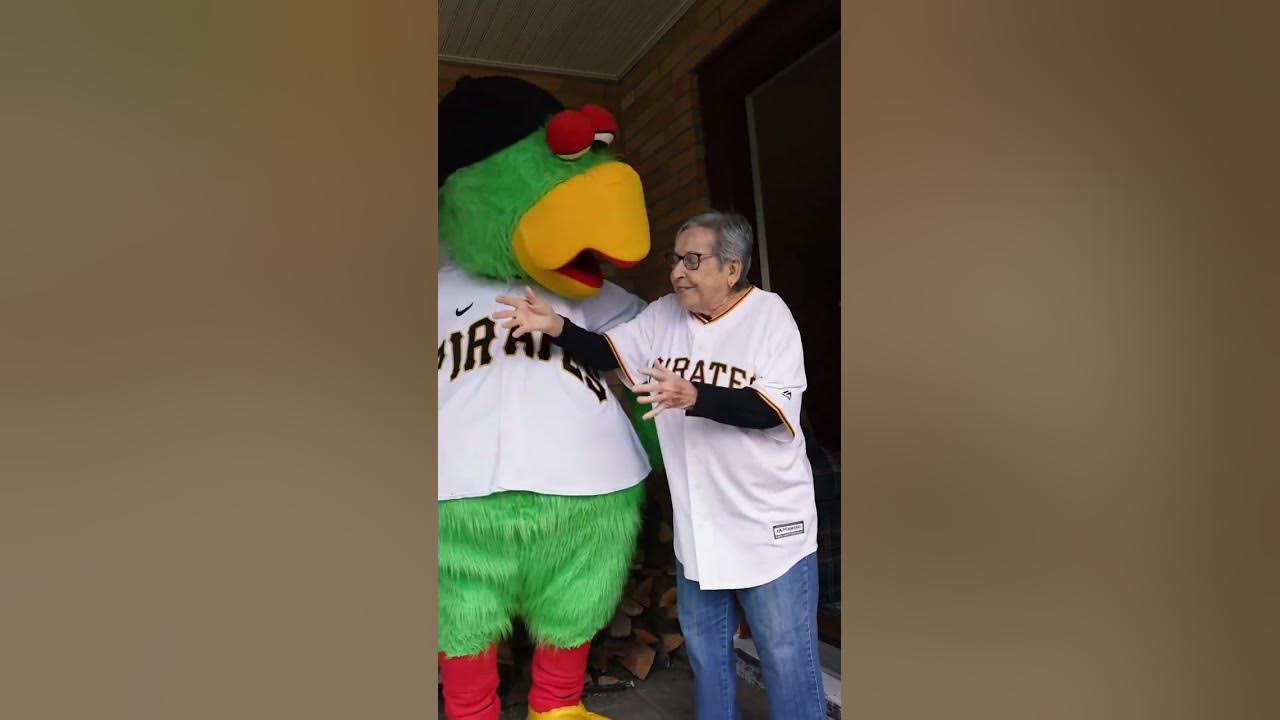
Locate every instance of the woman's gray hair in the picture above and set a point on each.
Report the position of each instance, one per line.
(734, 238)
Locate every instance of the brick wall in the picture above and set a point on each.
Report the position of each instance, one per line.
(661, 122)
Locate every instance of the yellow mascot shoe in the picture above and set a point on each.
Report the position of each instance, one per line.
(572, 712)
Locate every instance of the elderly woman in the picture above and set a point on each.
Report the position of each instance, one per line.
(725, 374)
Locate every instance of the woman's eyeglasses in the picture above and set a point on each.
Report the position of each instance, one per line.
(691, 260)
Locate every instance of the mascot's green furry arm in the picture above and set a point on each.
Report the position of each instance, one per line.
(541, 472)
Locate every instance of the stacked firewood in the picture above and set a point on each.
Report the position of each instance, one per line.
(645, 631)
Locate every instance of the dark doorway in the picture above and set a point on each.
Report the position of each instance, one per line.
(770, 100)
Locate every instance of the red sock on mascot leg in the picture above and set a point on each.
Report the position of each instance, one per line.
(471, 686)
(557, 677)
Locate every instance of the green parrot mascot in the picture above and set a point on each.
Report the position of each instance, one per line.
(541, 470)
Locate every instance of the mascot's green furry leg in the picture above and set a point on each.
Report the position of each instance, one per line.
(558, 562)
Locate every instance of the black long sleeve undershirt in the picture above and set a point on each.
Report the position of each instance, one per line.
(587, 347)
(740, 407)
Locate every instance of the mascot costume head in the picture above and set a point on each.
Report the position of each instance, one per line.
(530, 190)
(541, 473)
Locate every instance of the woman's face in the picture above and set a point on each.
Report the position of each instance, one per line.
(706, 288)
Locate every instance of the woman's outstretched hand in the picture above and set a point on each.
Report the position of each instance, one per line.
(665, 389)
(529, 314)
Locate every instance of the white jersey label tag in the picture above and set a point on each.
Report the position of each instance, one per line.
(784, 531)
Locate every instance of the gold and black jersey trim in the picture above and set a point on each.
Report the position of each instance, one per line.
(618, 356)
(707, 320)
(781, 415)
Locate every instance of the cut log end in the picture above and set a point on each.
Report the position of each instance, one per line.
(665, 534)
(630, 607)
(621, 626)
(671, 641)
(639, 660)
(643, 593)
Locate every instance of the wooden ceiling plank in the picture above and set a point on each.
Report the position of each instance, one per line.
(481, 21)
(464, 29)
(536, 28)
(553, 26)
(448, 12)
(576, 24)
(605, 32)
(488, 46)
(516, 35)
(566, 37)
(641, 16)
(672, 14)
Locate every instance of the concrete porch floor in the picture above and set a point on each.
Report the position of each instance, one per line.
(667, 694)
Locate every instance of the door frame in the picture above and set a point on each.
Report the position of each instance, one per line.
(779, 35)
(783, 32)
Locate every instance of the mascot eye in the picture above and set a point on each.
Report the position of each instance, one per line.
(570, 134)
(603, 126)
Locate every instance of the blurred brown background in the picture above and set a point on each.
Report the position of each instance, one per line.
(217, 434)
(1059, 283)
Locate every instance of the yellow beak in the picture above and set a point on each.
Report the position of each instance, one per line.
(600, 212)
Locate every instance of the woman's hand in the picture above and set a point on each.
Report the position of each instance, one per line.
(529, 314)
(665, 390)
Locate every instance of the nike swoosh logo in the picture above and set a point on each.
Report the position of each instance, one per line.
(459, 313)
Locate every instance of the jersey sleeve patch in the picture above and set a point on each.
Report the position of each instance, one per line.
(781, 415)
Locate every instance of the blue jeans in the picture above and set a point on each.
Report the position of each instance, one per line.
(783, 619)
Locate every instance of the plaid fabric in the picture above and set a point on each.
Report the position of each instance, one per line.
(826, 481)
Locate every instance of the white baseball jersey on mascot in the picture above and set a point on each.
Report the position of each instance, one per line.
(743, 498)
(547, 424)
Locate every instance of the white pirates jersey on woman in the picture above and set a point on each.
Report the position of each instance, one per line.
(743, 498)
(517, 413)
